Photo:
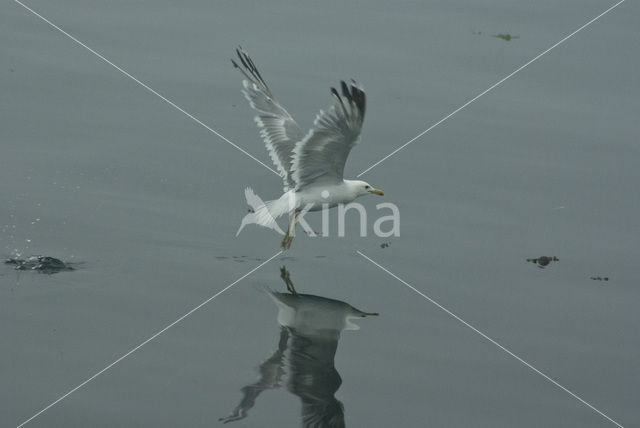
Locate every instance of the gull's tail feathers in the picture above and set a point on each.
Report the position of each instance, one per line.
(266, 214)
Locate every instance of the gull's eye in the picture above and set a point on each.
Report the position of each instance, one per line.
(367, 187)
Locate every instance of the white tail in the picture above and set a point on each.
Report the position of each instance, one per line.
(266, 213)
(271, 210)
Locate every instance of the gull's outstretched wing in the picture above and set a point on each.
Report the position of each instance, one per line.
(321, 155)
(277, 128)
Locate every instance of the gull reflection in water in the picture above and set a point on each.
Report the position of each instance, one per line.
(310, 328)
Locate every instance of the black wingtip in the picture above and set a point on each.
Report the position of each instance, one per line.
(335, 93)
(243, 57)
(249, 69)
(358, 96)
(345, 90)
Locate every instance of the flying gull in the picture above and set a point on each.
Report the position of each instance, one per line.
(311, 165)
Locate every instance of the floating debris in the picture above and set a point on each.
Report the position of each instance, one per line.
(543, 261)
(42, 264)
(506, 36)
(599, 278)
(384, 245)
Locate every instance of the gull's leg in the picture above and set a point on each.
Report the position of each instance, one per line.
(286, 277)
(291, 232)
(286, 241)
(293, 229)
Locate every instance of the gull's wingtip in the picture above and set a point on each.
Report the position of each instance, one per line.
(239, 53)
(345, 89)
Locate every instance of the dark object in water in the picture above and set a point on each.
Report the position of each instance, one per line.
(543, 261)
(42, 264)
(506, 37)
(384, 245)
(600, 278)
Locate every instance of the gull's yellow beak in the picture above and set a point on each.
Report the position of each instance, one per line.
(377, 192)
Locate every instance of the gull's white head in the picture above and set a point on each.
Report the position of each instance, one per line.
(362, 188)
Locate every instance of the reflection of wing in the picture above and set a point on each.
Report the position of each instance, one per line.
(271, 372)
(321, 155)
(278, 129)
(323, 414)
(315, 379)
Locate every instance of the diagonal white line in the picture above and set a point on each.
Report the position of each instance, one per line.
(62, 397)
(499, 82)
(574, 395)
(147, 87)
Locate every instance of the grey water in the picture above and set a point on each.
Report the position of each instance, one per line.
(100, 173)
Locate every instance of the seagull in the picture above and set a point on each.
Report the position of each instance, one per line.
(312, 165)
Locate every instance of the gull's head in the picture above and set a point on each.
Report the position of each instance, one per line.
(363, 188)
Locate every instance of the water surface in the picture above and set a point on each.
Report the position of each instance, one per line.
(97, 170)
